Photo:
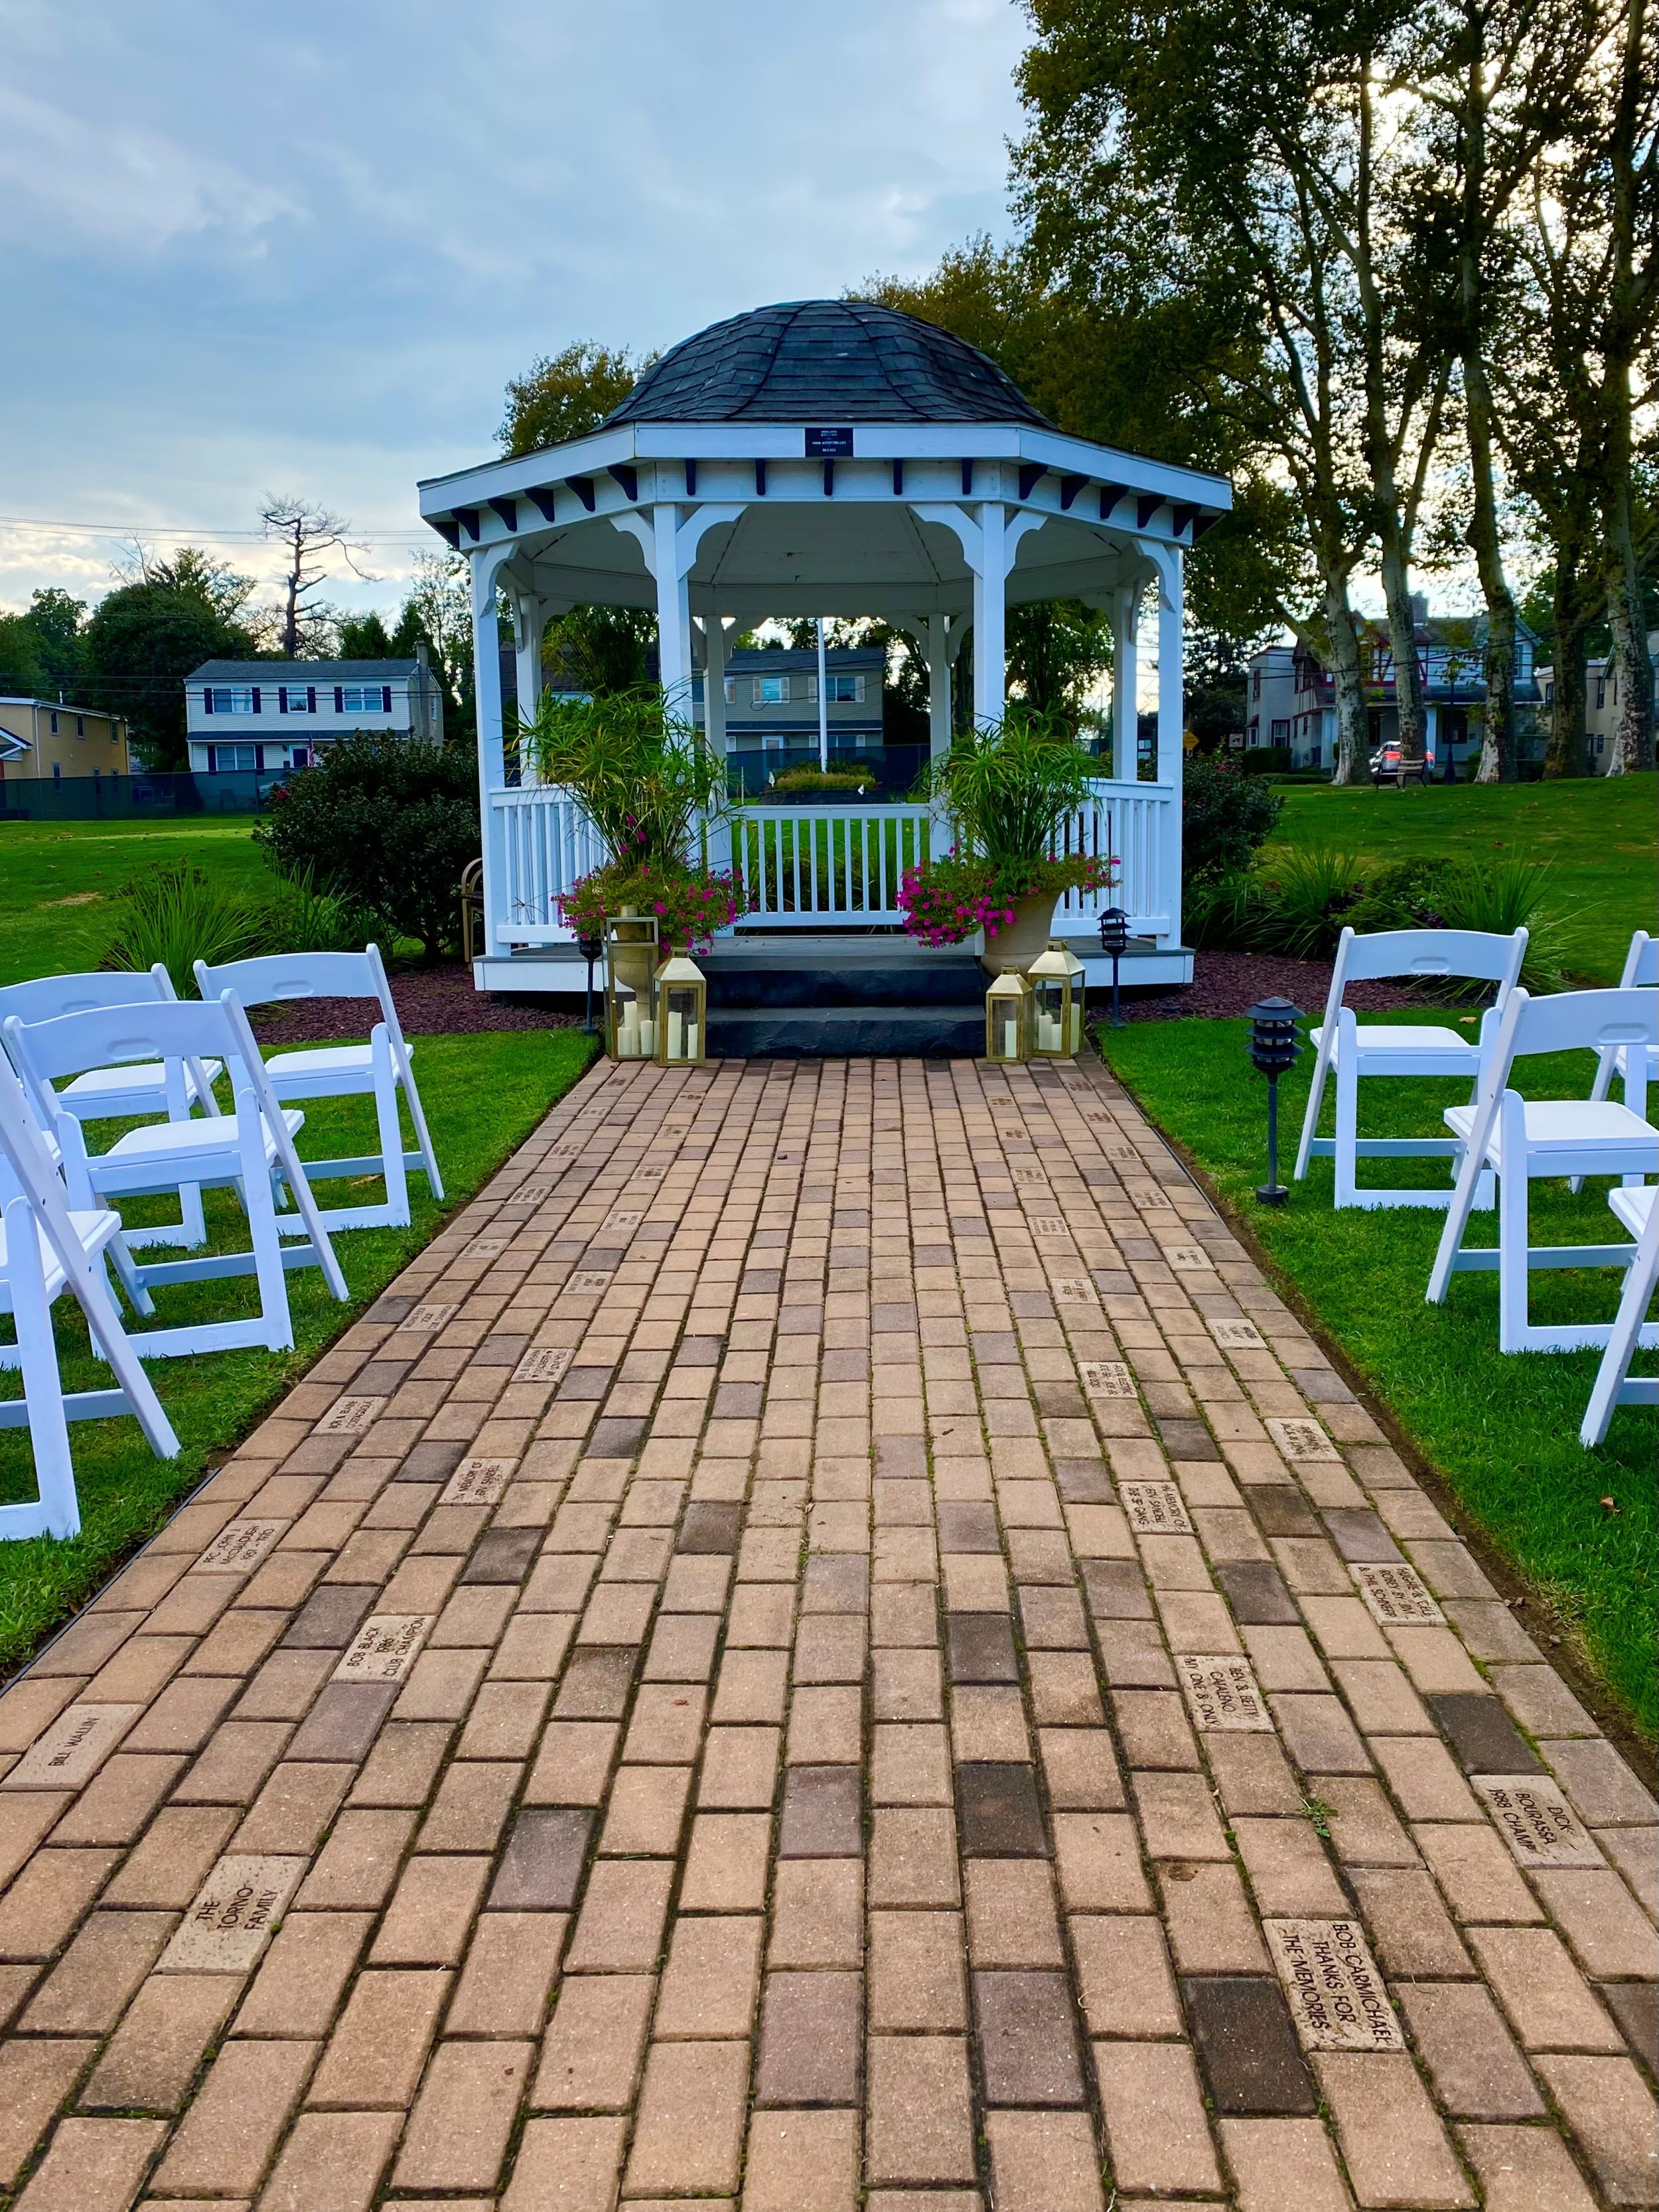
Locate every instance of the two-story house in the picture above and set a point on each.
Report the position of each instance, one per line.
(772, 702)
(1291, 696)
(270, 716)
(44, 741)
(1600, 703)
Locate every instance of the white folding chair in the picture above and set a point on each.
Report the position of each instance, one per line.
(1636, 1070)
(1381, 1049)
(247, 1150)
(378, 1069)
(109, 1094)
(1520, 1140)
(1631, 1330)
(46, 1248)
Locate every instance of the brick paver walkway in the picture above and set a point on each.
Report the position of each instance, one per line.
(831, 1644)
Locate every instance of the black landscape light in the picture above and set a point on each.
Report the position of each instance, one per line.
(1274, 1044)
(1115, 943)
(590, 948)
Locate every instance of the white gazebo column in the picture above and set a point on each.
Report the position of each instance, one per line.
(531, 615)
(939, 642)
(492, 766)
(1170, 730)
(990, 613)
(1126, 750)
(713, 686)
(673, 602)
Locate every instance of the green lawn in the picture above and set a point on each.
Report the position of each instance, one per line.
(58, 882)
(1602, 832)
(483, 1095)
(1503, 1431)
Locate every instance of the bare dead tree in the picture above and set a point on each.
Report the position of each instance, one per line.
(309, 535)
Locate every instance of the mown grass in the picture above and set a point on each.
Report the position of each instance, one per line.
(1600, 831)
(1504, 1431)
(59, 882)
(483, 1095)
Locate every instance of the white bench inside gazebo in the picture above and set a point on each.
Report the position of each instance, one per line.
(827, 458)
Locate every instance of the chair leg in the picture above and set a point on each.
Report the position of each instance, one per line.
(262, 1225)
(43, 1390)
(1636, 1095)
(193, 1222)
(422, 1135)
(392, 1135)
(1513, 1192)
(1470, 1173)
(1311, 1117)
(1347, 1157)
(1622, 1345)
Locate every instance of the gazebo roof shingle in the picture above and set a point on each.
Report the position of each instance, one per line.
(829, 361)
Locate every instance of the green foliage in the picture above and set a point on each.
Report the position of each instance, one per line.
(1054, 649)
(689, 907)
(145, 637)
(637, 765)
(601, 648)
(1266, 760)
(1497, 896)
(364, 637)
(1225, 819)
(178, 914)
(1225, 913)
(386, 825)
(564, 395)
(1008, 785)
(40, 650)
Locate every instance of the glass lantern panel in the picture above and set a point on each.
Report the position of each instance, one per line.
(635, 1031)
(683, 1027)
(1048, 1009)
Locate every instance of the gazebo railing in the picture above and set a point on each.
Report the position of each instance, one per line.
(836, 864)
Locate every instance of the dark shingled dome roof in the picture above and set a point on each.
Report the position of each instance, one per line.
(825, 361)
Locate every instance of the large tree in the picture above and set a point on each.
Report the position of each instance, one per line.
(564, 395)
(146, 636)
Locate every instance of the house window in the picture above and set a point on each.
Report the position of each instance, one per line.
(231, 760)
(1549, 694)
(731, 690)
(1255, 684)
(54, 722)
(362, 698)
(80, 725)
(845, 688)
(1281, 734)
(771, 691)
(231, 699)
(772, 744)
(1600, 695)
(57, 767)
(296, 698)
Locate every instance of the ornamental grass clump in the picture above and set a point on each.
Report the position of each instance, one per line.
(642, 773)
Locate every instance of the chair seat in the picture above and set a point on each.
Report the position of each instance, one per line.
(160, 1145)
(1567, 1124)
(1459, 1055)
(330, 1064)
(111, 1091)
(1633, 1204)
(94, 1230)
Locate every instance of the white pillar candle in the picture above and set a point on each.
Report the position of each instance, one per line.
(647, 1038)
(1077, 1025)
(691, 1040)
(675, 1035)
(627, 1030)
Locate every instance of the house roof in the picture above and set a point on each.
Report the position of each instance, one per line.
(303, 672)
(829, 361)
(54, 706)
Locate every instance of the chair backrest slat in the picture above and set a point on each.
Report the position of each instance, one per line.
(97, 1037)
(48, 998)
(1477, 955)
(1569, 1021)
(1641, 961)
(291, 976)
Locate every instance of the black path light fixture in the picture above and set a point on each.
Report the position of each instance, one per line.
(1274, 1044)
(590, 947)
(1115, 943)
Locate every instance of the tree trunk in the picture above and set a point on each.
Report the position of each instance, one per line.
(1353, 726)
(1629, 663)
(1413, 721)
(1566, 754)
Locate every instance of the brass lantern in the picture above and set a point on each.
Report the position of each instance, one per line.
(1008, 1018)
(630, 988)
(1056, 981)
(682, 1013)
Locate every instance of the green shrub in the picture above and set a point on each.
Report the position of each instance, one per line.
(1224, 913)
(812, 778)
(384, 824)
(1266, 760)
(1225, 819)
(1498, 897)
(1309, 895)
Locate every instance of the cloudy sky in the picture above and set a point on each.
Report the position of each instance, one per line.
(249, 249)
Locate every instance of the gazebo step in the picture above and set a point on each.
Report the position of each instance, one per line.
(859, 1032)
(759, 980)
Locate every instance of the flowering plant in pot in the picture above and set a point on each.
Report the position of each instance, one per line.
(1008, 789)
(690, 904)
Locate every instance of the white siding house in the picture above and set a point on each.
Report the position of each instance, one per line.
(269, 715)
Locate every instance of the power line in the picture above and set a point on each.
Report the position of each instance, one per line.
(194, 531)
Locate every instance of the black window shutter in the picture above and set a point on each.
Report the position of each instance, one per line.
(256, 698)
(207, 698)
(385, 698)
(339, 699)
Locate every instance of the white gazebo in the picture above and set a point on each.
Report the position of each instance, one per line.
(825, 458)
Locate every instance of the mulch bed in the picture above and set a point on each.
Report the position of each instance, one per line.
(431, 1002)
(1230, 984)
(441, 1001)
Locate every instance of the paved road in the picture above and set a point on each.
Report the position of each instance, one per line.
(832, 1635)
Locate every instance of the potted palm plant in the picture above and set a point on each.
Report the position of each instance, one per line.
(644, 778)
(1008, 789)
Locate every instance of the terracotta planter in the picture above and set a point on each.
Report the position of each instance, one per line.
(1018, 944)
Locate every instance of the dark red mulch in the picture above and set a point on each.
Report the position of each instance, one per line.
(431, 1002)
(1230, 984)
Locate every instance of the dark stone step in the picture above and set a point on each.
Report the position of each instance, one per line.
(755, 982)
(862, 1032)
